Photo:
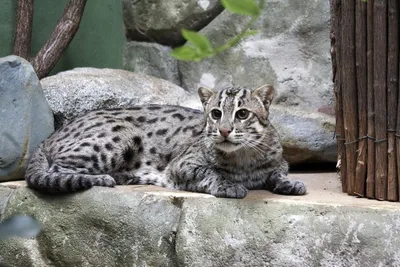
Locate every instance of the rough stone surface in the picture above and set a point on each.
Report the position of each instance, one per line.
(25, 116)
(74, 92)
(292, 52)
(151, 226)
(255, 233)
(5, 194)
(161, 21)
(151, 59)
(97, 228)
(306, 137)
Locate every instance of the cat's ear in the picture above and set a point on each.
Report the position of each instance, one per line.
(265, 93)
(205, 94)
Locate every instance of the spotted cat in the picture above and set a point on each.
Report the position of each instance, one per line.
(228, 149)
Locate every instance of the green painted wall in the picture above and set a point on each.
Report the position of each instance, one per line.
(7, 26)
(98, 42)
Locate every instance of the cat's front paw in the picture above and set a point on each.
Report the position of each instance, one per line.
(290, 187)
(104, 180)
(229, 190)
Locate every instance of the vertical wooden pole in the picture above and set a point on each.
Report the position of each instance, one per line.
(336, 67)
(380, 59)
(392, 92)
(349, 90)
(398, 128)
(361, 72)
(398, 138)
(370, 190)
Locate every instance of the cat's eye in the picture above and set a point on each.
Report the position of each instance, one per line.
(216, 114)
(242, 114)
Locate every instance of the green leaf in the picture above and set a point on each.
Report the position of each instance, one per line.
(250, 33)
(21, 226)
(185, 53)
(243, 7)
(198, 40)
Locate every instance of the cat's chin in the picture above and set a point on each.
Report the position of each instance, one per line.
(228, 147)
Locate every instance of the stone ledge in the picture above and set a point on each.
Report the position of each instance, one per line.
(151, 226)
(323, 188)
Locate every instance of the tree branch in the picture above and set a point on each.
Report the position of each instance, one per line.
(62, 35)
(23, 32)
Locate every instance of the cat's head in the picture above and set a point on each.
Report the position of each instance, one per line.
(236, 117)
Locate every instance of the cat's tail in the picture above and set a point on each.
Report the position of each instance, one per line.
(44, 177)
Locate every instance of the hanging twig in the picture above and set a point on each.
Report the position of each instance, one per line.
(51, 52)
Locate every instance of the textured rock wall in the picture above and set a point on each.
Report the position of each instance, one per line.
(142, 226)
(292, 52)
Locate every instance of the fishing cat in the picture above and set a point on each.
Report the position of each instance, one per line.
(224, 151)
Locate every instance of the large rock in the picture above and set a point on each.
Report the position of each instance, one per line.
(256, 233)
(97, 228)
(151, 59)
(292, 52)
(149, 226)
(306, 137)
(25, 116)
(77, 91)
(161, 21)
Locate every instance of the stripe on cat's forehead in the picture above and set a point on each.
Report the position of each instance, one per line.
(231, 96)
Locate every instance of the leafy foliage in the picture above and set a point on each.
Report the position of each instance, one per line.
(199, 46)
(243, 7)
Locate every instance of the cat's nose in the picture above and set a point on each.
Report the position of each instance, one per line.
(225, 131)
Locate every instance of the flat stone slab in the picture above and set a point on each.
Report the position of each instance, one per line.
(322, 188)
(152, 226)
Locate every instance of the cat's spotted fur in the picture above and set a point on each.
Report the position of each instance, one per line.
(228, 150)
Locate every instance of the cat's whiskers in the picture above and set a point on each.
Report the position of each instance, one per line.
(257, 147)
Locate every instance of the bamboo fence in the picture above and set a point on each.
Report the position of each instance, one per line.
(365, 61)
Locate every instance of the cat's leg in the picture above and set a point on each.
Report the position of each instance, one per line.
(125, 178)
(189, 174)
(279, 183)
(220, 187)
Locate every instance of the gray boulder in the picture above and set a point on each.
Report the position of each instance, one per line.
(292, 52)
(151, 59)
(161, 21)
(25, 116)
(77, 91)
(307, 137)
